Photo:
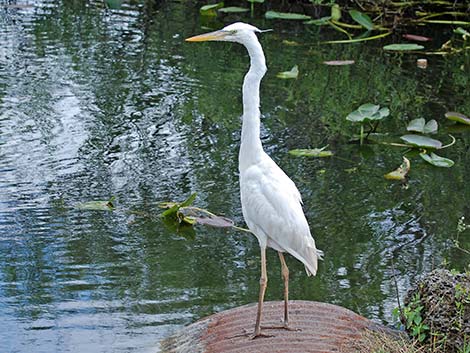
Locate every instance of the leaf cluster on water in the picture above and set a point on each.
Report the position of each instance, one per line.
(184, 213)
(373, 19)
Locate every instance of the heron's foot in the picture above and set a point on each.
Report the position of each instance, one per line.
(260, 335)
(250, 335)
(284, 326)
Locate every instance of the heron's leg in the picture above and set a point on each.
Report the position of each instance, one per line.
(263, 282)
(285, 276)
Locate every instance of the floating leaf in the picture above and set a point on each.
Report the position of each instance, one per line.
(416, 125)
(175, 206)
(233, 9)
(458, 117)
(368, 112)
(314, 152)
(362, 19)
(430, 127)
(210, 10)
(403, 47)
(420, 125)
(319, 21)
(194, 215)
(285, 16)
(417, 38)
(100, 205)
(436, 160)
(293, 73)
(421, 141)
(338, 62)
(401, 172)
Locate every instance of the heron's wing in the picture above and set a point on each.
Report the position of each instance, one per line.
(272, 208)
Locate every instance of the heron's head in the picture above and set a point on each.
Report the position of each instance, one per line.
(236, 32)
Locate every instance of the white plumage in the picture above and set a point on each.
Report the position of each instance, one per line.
(271, 203)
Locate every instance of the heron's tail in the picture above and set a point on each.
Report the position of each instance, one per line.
(311, 264)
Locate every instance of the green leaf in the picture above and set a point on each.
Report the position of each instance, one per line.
(458, 117)
(285, 16)
(368, 112)
(319, 21)
(430, 127)
(335, 12)
(293, 73)
(314, 152)
(403, 47)
(416, 125)
(233, 9)
(189, 200)
(338, 62)
(101, 205)
(210, 10)
(421, 141)
(465, 34)
(436, 160)
(258, 1)
(401, 172)
(175, 206)
(362, 19)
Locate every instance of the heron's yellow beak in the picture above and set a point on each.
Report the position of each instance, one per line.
(216, 35)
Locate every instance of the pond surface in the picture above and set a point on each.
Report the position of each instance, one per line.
(98, 103)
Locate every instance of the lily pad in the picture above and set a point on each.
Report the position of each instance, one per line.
(403, 47)
(210, 10)
(314, 152)
(293, 73)
(193, 215)
(285, 16)
(100, 205)
(401, 172)
(416, 38)
(338, 62)
(233, 9)
(368, 112)
(458, 117)
(420, 125)
(421, 141)
(362, 19)
(430, 127)
(436, 160)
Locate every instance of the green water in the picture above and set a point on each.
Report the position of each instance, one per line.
(96, 102)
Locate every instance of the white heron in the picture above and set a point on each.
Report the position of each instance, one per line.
(271, 203)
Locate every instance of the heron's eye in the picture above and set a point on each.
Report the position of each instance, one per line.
(233, 32)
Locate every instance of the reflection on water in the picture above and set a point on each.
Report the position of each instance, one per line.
(98, 102)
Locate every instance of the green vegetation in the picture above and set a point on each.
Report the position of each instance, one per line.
(367, 113)
(372, 16)
(412, 316)
(436, 314)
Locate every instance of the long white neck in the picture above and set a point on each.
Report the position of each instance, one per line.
(251, 149)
